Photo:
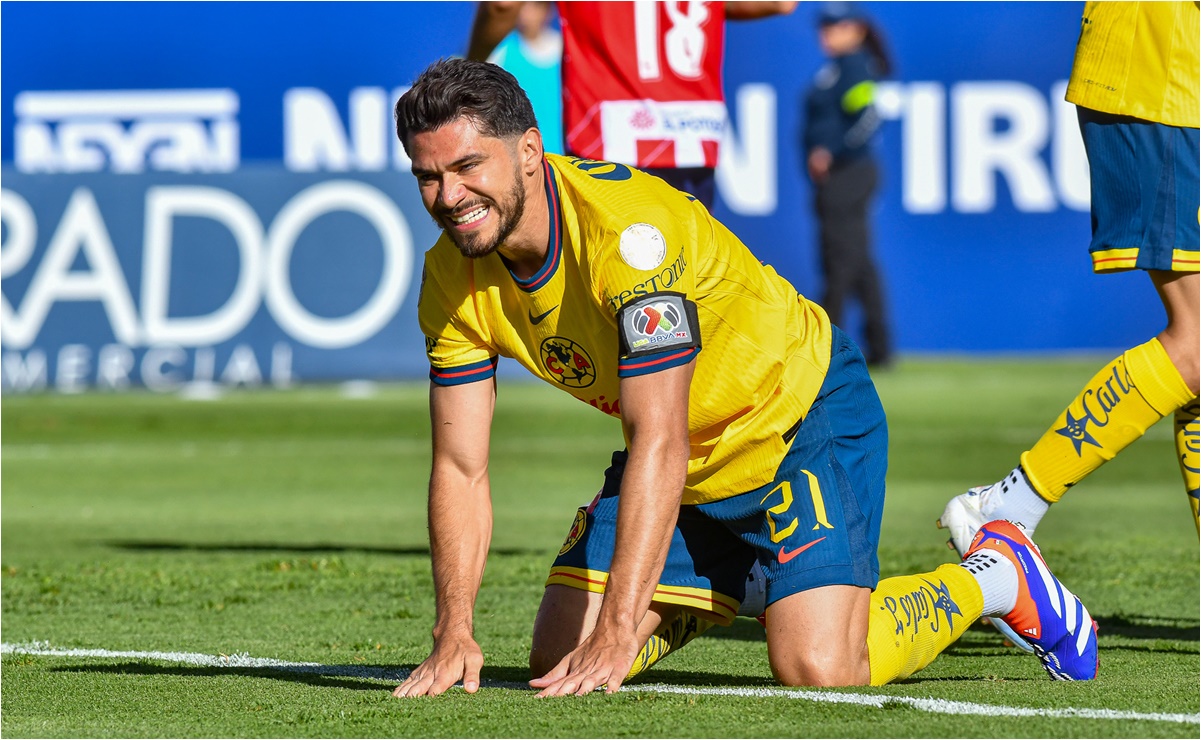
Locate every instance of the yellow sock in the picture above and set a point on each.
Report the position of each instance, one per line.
(671, 635)
(914, 618)
(1117, 407)
(1188, 442)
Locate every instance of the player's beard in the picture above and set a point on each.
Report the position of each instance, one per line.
(508, 214)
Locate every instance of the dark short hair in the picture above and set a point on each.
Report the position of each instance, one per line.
(454, 88)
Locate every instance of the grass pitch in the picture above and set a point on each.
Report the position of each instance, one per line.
(291, 525)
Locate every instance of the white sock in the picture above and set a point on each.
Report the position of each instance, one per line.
(1013, 498)
(998, 580)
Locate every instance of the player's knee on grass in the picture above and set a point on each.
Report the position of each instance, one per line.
(565, 617)
(542, 660)
(819, 637)
(821, 665)
(568, 615)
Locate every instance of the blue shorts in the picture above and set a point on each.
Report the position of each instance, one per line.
(1145, 193)
(816, 524)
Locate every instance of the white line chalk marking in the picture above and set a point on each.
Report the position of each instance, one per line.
(936, 706)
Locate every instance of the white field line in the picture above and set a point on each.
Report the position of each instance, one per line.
(936, 706)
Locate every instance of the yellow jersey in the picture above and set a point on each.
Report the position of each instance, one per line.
(1140, 60)
(638, 278)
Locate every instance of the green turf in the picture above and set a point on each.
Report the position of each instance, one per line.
(291, 525)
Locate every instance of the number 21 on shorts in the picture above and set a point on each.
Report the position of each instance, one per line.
(785, 488)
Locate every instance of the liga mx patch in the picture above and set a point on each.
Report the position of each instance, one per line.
(577, 531)
(658, 322)
(642, 246)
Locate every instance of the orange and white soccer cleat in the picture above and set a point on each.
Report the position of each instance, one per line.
(1050, 618)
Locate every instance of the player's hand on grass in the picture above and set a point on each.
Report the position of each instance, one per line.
(604, 659)
(453, 658)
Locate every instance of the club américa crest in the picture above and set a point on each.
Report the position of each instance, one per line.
(567, 362)
(577, 531)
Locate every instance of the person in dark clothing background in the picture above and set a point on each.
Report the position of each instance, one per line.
(840, 121)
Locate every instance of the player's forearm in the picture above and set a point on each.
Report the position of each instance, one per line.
(655, 417)
(749, 10)
(460, 521)
(493, 21)
(652, 486)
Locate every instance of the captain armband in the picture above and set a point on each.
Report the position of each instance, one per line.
(656, 323)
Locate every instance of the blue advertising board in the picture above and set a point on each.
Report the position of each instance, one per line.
(198, 192)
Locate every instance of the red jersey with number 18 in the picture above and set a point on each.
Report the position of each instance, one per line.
(642, 81)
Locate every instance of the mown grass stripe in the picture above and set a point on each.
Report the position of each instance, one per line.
(879, 701)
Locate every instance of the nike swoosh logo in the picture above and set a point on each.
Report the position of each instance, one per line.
(535, 320)
(785, 556)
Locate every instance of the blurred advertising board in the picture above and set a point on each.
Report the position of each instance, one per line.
(213, 192)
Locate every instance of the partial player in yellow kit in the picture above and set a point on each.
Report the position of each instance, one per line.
(1135, 85)
(753, 431)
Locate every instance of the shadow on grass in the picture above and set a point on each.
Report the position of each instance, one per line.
(971, 679)
(1148, 627)
(366, 677)
(173, 546)
(328, 676)
(983, 641)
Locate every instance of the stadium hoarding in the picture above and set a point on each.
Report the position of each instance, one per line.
(166, 280)
(199, 192)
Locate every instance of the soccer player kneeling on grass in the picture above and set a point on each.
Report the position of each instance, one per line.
(753, 431)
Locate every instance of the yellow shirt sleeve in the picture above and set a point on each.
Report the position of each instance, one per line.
(453, 344)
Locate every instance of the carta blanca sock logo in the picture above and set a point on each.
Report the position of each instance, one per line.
(927, 605)
(1077, 431)
(1096, 403)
